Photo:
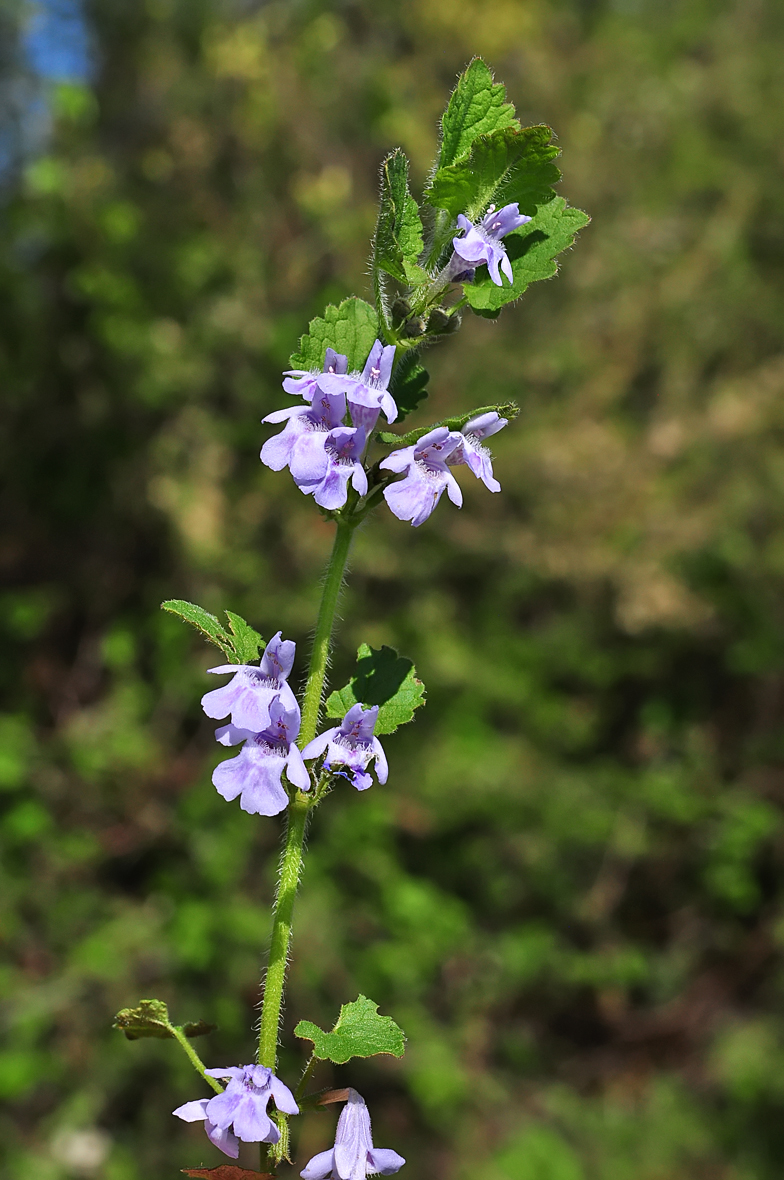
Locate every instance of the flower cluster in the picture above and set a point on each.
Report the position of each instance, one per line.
(239, 1114)
(265, 718)
(324, 454)
(425, 467)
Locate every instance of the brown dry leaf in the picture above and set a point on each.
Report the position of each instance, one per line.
(227, 1172)
(333, 1096)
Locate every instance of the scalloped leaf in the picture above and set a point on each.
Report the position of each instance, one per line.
(359, 1032)
(509, 164)
(240, 646)
(208, 625)
(409, 385)
(532, 252)
(247, 643)
(351, 328)
(385, 679)
(398, 240)
(477, 106)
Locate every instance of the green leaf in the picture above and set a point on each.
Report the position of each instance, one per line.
(532, 252)
(359, 1032)
(508, 410)
(247, 642)
(240, 647)
(385, 679)
(503, 166)
(409, 385)
(477, 106)
(151, 1019)
(398, 240)
(351, 329)
(203, 621)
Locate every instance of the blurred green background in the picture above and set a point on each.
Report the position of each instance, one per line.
(570, 892)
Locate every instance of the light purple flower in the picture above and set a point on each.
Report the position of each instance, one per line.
(343, 448)
(473, 453)
(242, 1105)
(482, 242)
(305, 382)
(427, 475)
(300, 445)
(194, 1112)
(351, 744)
(353, 1157)
(255, 773)
(248, 695)
(367, 392)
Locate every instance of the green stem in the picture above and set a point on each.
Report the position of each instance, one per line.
(195, 1060)
(333, 581)
(291, 860)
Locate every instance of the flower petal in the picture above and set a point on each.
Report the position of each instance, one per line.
(252, 1123)
(384, 1160)
(319, 1167)
(319, 744)
(224, 1139)
(296, 771)
(282, 1096)
(192, 1112)
(381, 767)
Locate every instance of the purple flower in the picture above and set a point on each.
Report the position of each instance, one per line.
(300, 445)
(343, 449)
(351, 744)
(194, 1112)
(243, 1106)
(471, 451)
(482, 242)
(251, 691)
(367, 392)
(427, 475)
(305, 382)
(255, 773)
(353, 1157)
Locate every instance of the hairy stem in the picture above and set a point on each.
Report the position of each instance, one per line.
(194, 1058)
(291, 860)
(288, 883)
(319, 658)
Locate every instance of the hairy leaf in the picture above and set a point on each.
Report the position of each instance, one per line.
(478, 105)
(382, 678)
(247, 642)
(508, 410)
(350, 328)
(409, 385)
(240, 647)
(203, 621)
(503, 166)
(359, 1032)
(532, 252)
(398, 241)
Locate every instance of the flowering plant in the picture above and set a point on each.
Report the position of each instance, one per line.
(490, 225)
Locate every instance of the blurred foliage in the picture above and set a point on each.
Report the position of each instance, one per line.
(569, 894)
